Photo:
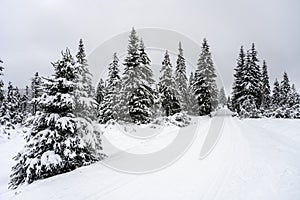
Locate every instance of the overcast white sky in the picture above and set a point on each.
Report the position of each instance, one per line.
(33, 32)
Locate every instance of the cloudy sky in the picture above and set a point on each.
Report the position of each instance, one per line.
(33, 33)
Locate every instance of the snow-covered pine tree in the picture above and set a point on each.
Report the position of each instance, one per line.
(1, 83)
(202, 94)
(285, 90)
(265, 90)
(294, 97)
(294, 103)
(147, 95)
(36, 91)
(192, 102)
(237, 88)
(109, 108)
(137, 96)
(276, 96)
(222, 97)
(130, 79)
(166, 79)
(10, 114)
(229, 103)
(142, 104)
(181, 79)
(55, 144)
(253, 74)
(251, 84)
(167, 88)
(100, 91)
(145, 70)
(85, 105)
(24, 104)
(205, 77)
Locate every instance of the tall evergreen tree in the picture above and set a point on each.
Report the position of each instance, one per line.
(167, 88)
(109, 108)
(36, 91)
(266, 91)
(100, 92)
(130, 79)
(146, 72)
(10, 114)
(276, 96)
(202, 94)
(167, 78)
(57, 142)
(285, 89)
(85, 105)
(229, 103)
(24, 108)
(237, 88)
(251, 84)
(181, 79)
(253, 74)
(192, 102)
(294, 97)
(205, 80)
(137, 96)
(222, 97)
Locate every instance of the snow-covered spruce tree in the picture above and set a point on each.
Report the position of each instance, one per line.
(253, 76)
(166, 79)
(237, 88)
(1, 83)
(229, 103)
(285, 90)
(100, 91)
(10, 114)
(294, 97)
(181, 79)
(85, 104)
(109, 107)
(143, 97)
(36, 91)
(265, 90)
(145, 70)
(294, 103)
(167, 88)
(222, 97)
(205, 79)
(24, 104)
(251, 83)
(55, 144)
(192, 102)
(276, 98)
(130, 79)
(147, 78)
(137, 96)
(202, 94)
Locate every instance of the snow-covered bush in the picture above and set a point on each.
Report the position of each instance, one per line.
(179, 119)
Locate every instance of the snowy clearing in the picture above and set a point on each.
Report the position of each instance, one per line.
(253, 159)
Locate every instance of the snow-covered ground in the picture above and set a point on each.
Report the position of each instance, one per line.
(253, 159)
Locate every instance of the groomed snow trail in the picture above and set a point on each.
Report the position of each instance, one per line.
(252, 159)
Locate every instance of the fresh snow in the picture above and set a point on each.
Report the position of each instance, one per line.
(253, 159)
